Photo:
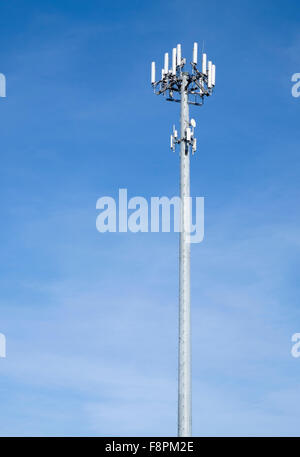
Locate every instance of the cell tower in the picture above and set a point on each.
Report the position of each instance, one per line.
(186, 88)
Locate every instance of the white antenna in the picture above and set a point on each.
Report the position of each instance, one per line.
(174, 61)
(166, 66)
(188, 134)
(179, 54)
(213, 75)
(153, 72)
(209, 74)
(204, 59)
(193, 123)
(175, 133)
(195, 53)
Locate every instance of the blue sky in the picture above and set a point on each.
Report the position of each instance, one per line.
(91, 319)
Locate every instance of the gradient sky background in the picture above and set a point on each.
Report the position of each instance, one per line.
(91, 319)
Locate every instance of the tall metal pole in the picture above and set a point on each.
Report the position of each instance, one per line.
(186, 88)
(184, 362)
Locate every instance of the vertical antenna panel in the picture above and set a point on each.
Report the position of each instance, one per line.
(179, 54)
(195, 53)
(166, 66)
(209, 74)
(213, 75)
(174, 61)
(153, 72)
(194, 144)
(188, 134)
